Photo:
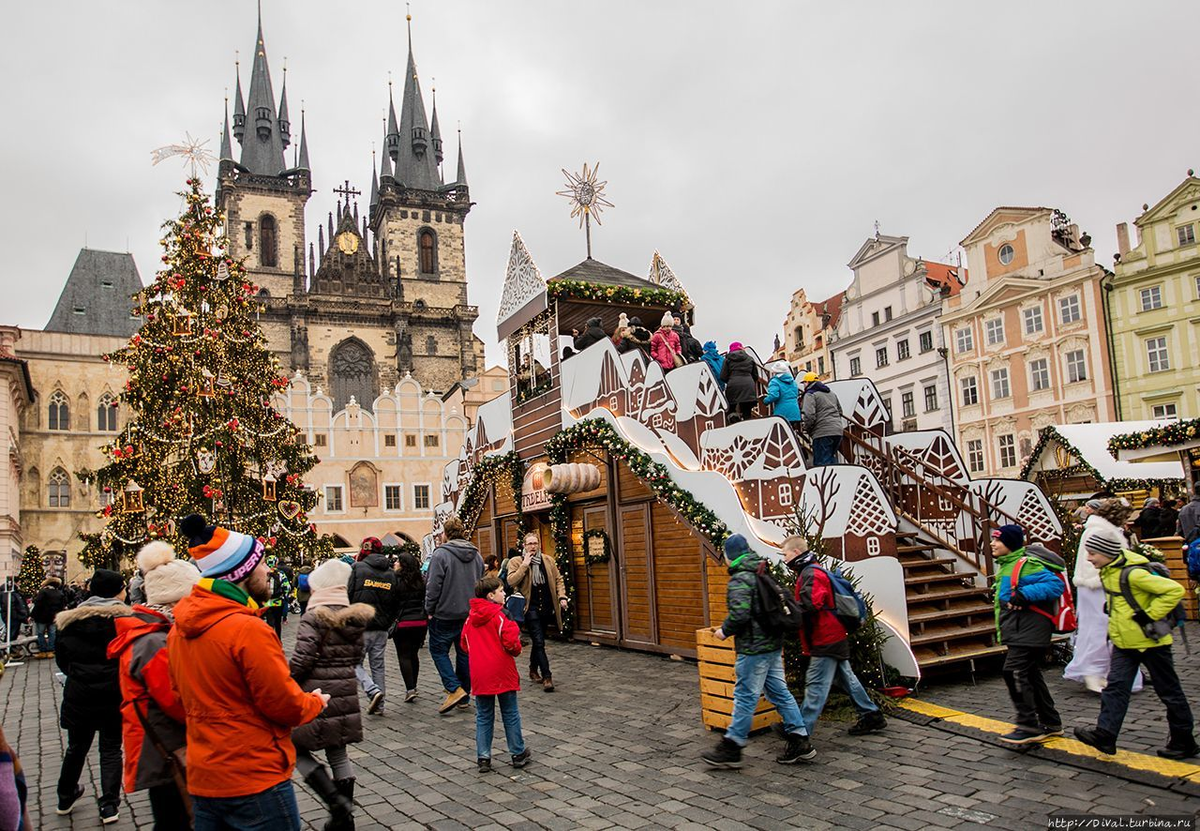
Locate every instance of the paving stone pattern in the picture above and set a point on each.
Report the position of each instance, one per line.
(618, 746)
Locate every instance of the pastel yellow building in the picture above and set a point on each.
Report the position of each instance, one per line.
(1154, 309)
(806, 333)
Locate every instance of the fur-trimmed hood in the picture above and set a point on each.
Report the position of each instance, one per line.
(339, 617)
(87, 610)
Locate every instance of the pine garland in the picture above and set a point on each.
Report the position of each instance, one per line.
(1169, 435)
(582, 290)
(488, 472)
(1084, 468)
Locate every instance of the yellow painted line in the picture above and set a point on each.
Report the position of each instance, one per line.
(1134, 761)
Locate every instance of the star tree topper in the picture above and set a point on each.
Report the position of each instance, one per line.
(587, 198)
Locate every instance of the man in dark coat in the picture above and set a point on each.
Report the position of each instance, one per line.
(92, 695)
(741, 389)
(47, 603)
(594, 333)
(373, 582)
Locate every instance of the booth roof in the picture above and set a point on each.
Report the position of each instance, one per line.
(594, 271)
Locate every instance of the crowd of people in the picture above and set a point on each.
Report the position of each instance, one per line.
(195, 701)
(810, 407)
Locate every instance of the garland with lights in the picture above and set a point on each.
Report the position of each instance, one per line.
(605, 547)
(489, 472)
(1084, 468)
(32, 573)
(203, 435)
(1169, 435)
(582, 290)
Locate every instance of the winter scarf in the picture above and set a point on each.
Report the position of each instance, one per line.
(537, 570)
(329, 596)
(230, 591)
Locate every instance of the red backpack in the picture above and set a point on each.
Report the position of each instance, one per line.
(1063, 616)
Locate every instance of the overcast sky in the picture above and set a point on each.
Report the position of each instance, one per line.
(754, 144)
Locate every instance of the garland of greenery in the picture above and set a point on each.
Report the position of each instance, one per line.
(605, 545)
(1084, 468)
(1169, 435)
(597, 433)
(487, 473)
(560, 527)
(582, 290)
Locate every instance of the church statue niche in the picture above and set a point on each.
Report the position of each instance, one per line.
(352, 373)
(404, 353)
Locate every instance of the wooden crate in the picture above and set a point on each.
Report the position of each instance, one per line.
(717, 660)
(1176, 555)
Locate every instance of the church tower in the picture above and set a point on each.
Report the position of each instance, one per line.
(416, 219)
(261, 195)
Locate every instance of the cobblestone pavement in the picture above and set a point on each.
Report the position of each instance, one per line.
(618, 745)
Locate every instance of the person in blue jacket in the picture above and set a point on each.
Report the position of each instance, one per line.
(783, 395)
(715, 361)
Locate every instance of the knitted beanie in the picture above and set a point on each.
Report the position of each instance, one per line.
(167, 579)
(1011, 537)
(329, 574)
(106, 583)
(668, 320)
(736, 546)
(220, 553)
(1105, 543)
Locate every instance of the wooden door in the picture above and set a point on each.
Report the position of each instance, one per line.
(598, 578)
(638, 626)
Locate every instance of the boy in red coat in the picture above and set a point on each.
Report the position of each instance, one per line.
(492, 640)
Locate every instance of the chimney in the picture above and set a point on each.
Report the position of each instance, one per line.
(1123, 239)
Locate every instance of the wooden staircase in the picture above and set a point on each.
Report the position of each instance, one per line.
(950, 619)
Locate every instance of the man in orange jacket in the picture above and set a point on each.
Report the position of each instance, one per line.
(231, 676)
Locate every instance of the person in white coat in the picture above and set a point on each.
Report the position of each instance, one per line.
(1089, 665)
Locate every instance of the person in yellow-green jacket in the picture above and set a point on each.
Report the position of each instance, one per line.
(1139, 638)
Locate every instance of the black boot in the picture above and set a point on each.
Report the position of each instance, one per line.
(341, 809)
(346, 788)
(727, 754)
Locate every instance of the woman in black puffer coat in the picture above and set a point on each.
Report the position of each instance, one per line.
(738, 373)
(329, 646)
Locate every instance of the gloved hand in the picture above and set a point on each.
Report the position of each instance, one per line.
(1017, 600)
(1142, 619)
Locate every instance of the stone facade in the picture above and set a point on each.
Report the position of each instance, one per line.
(806, 331)
(888, 331)
(16, 395)
(1027, 339)
(1152, 309)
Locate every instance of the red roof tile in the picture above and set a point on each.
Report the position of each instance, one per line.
(940, 274)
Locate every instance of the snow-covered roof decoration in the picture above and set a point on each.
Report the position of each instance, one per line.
(662, 275)
(1064, 446)
(696, 391)
(761, 448)
(861, 402)
(523, 285)
(937, 454)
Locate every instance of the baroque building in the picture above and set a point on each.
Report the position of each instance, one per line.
(16, 395)
(888, 331)
(1152, 306)
(1028, 342)
(806, 331)
(379, 296)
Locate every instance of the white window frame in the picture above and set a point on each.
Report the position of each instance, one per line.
(855, 366)
(881, 356)
(1076, 364)
(937, 405)
(908, 404)
(1010, 447)
(964, 339)
(1188, 231)
(973, 383)
(1039, 367)
(428, 496)
(1000, 374)
(1031, 315)
(993, 330)
(399, 486)
(1157, 352)
(902, 350)
(785, 495)
(1150, 298)
(921, 338)
(975, 454)
(1161, 410)
(1072, 304)
(1008, 251)
(341, 491)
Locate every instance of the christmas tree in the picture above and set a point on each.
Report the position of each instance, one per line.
(203, 435)
(32, 573)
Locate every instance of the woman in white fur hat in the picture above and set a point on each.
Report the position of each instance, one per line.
(152, 718)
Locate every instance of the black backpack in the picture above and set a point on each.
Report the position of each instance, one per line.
(775, 609)
(1156, 629)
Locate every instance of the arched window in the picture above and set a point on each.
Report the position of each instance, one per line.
(267, 249)
(59, 484)
(428, 247)
(106, 414)
(60, 412)
(431, 345)
(352, 373)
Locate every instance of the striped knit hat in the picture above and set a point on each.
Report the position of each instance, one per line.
(220, 553)
(1104, 543)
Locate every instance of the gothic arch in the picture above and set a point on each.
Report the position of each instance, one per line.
(268, 241)
(106, 413)
(352, 372)
(58, 409)
(427, 251)
(58, 487)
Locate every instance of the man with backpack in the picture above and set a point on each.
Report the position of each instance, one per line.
(759, 665)
(1143, 607)
(825, 639)
(1028, 582)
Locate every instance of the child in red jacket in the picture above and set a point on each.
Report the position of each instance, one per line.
(492, 640)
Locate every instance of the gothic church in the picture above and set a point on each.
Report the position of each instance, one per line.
(376, 298)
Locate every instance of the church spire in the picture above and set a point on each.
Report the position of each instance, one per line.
(239, 109)
(461, 178)
(435, 134)
(385, 167)
(374, 180)
(226, 144)
(303, 163)
(392, 136)
(262, 152)
(285, 126)
(415, 168)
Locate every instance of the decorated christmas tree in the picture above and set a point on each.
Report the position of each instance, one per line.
(32, 573)
(202, 435)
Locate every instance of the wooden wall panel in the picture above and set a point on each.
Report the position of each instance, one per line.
(505, 498)
(678, 580)
(485, 540)
(636, 576)
(583, 593)
(629, 487)
(717, 577)
(599, 576)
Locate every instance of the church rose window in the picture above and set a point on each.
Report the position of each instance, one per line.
(60, 412)
(428, 246)
(267, 250)
(353, 371)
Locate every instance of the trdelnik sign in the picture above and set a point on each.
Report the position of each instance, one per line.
(534, 496)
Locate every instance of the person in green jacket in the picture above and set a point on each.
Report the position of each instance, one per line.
(1155, 596)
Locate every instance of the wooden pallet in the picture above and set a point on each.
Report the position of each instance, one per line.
(716, 661)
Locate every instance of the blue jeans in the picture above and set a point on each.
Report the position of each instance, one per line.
(758, 674)
(485, 722)
(271, 810)
(374, 644)
(442, 635)
(825, 450)
(819, 679)
(45, 643)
